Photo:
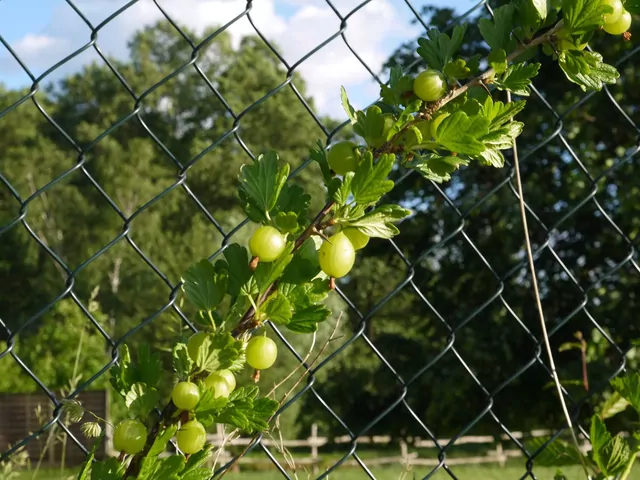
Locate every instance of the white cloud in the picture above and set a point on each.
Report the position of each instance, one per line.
(373, 31)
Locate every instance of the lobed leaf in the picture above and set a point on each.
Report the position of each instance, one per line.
(438, 48)
(370, 181)
(278, 309)
(141, 400)
(182, 362)
(517, 78)
(586, 69)
(400, 88)
(236, 266)
(379, 222)
(628, 387)
(261, 184)
(582, 16)
(437, 168)
(497, 32)
(304, 265)
(461, 133)
(267, 273)
(203, 286)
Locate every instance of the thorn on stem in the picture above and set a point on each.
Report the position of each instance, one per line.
(254, 263)
(315, 231)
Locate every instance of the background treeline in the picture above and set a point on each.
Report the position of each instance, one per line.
(469, 295)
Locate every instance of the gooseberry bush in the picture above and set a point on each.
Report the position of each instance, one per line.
(456, 112)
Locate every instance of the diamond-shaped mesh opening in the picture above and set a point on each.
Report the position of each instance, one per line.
(416, 313)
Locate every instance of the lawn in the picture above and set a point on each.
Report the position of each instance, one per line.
(463, 472)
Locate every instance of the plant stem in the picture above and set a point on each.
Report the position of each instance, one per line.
(536, 292)
(248, 321)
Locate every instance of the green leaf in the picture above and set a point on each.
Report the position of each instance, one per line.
(168, 468)
(182, 362)
(586, 69)
(197, 474)
(613, 405)
(310, 293)
(517, 78)
(109, 469)
(123, 374)
(370, 181)
(541, 8)
(306, 319)
(203, 286)
(503, 137)
(400, 88)
(196, 460)
(319, 155)
(287, 222)
(628, 387)
(582, 16)
(236, 265)
(148, 366)
(220, 351)
(89, 461)
(461, 133)
(498, 60)
(147, 369)
(292, 208)
(499, 113)
(267, 273)
(556, 453)
(305, 264)
(341, 194)
(351, 112)
(436, 168)
(244, 412)
(497, 32)
(278, 309)
(261, 184)
(457, 70)
(369, 124)
(305, 300)
(140, 400)
(491, 158)
(438, 49)
(599, 437)
(614, 456)
(208, 406)
(379, 222)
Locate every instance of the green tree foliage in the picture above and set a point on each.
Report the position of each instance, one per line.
(74, 219)
(66, 350)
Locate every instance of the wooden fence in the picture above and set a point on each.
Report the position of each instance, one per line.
(21, 414)
(495, 453)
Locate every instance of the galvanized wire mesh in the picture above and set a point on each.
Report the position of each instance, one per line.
(550, 232)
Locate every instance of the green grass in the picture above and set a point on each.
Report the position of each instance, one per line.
(512, 471)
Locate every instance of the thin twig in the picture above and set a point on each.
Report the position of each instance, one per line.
(286, 395)
(536, 292)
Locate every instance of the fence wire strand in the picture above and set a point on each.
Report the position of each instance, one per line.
(551, 233)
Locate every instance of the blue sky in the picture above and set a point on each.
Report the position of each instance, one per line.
(44, 32)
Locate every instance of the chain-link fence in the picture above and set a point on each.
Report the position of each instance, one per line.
(549, 242)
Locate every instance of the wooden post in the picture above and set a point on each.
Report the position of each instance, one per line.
(314, 447)
(502, 459)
